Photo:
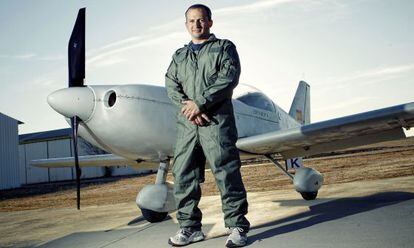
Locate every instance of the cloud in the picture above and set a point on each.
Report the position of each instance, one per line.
(19, 56)
(33, 56)
(45, 81)
(365, 78)
(108, 62)
(122, 42)
(128, 44)
(226, 11)
(377, 73)
(343, 104)
(52, 57)
(254, 7)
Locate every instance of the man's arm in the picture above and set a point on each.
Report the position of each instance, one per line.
(174, 88)
(178, 97)
(227, 80)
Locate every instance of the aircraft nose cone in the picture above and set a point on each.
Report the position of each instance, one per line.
(73, 101)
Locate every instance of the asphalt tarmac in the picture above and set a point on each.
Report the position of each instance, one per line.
(365, 214)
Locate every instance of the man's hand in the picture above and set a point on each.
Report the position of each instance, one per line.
(191, 111)
(200, 119)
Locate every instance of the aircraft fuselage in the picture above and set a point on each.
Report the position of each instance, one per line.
(139, 121)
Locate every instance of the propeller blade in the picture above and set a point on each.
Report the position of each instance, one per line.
(76, 65)
(74, 121)
(76, 51)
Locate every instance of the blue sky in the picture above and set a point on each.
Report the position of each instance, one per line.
(357, 55)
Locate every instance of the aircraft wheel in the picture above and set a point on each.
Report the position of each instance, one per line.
(309, 195)
(152, 216)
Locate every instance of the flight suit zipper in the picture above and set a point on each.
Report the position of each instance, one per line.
(194, 87)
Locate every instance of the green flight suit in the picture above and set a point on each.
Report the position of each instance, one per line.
(207, 77)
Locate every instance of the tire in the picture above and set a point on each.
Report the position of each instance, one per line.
(309, 195)
(152, 216)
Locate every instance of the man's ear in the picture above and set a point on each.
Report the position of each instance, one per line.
(210, 23)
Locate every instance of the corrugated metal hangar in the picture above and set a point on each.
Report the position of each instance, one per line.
(50, 144)
(9, 156)
(16, 152)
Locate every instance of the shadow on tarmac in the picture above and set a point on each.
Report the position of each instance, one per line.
(141, 218)
(328, 211)
(158, 233)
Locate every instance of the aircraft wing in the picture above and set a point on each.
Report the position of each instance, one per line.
(94, 161)
(340, 133)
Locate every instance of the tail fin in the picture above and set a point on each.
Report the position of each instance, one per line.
(300, 109)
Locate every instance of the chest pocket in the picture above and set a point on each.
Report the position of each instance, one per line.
(212, 66)
(182, 67)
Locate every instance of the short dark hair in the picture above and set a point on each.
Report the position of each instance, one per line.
(200, 6)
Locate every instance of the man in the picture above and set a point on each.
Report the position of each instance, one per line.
(200, 81)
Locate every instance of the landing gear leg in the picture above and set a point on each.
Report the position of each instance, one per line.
(155, 201)
(278, 165)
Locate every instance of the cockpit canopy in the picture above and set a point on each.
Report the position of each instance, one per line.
(253, 97)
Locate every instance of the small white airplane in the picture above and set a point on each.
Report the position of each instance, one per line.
(137, 125)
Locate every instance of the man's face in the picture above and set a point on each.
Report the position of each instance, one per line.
(197, 24)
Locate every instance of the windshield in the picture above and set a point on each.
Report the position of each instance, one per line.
(251, 96)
